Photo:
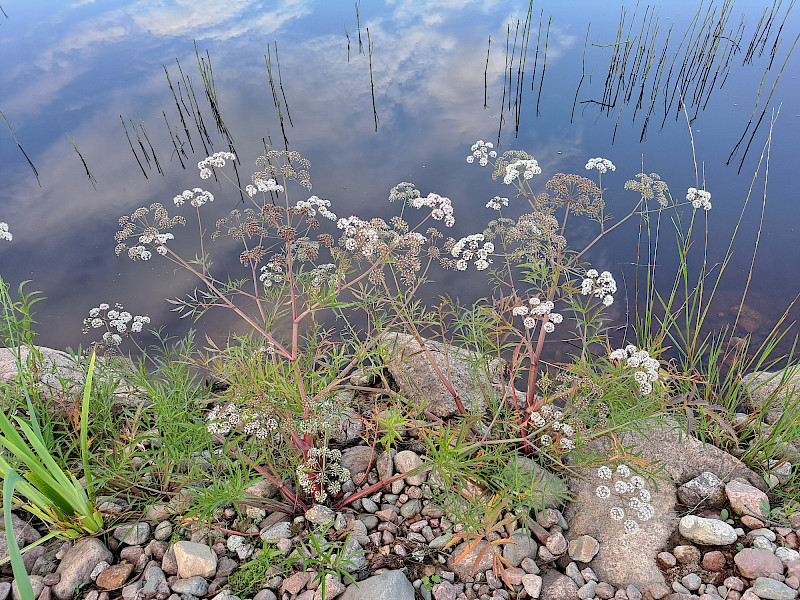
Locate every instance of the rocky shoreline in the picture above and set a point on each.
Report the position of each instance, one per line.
(705, 535)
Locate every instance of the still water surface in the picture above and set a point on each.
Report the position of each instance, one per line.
(69, 72)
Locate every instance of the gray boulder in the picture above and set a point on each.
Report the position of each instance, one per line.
(622, 558)
(24, 534)
(391, 585)
(419, 383)
(77, 565)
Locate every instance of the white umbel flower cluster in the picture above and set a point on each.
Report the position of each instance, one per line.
(467, 248)
(601, 285)
(699, 198)
(483, 152)
(538, 311)
(441, 207)
(525, 167)
(601, 164)
(217, 159)
(5, 234)
(359, 235)
(225, 417)
(647, 367)
(560, 434)
(497, 203)
(117, 321)
(263, 185)
(315, 205)
(196, 197)
(271, 273)
(629, 490)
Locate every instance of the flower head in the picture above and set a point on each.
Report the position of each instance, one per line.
(699, 198)
(5, 234)
(601, 164)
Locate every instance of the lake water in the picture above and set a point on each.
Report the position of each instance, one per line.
(70, 71)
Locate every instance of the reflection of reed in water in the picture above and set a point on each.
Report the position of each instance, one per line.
(687, 74)
(35, 172)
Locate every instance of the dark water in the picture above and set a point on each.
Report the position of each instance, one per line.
(69, 71)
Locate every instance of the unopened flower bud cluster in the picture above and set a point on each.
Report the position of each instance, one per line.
(538, 310)
(322, 474)
(525, 167)
(647, 367)
(699, 198)
(223, 418)
(117, 321)
(483, 151)
(628, 490)
(215, 160)
(560, 434)
(600, 285)
(467, 248)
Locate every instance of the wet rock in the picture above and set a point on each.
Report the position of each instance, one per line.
(77, 565)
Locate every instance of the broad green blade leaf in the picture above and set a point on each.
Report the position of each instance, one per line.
(20, 574)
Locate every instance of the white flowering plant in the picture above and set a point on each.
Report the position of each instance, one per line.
(278, 394)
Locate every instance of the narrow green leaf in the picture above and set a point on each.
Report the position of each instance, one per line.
(20, 574)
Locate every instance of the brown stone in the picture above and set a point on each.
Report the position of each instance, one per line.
(115, 576)
(714, 561)
(756, 562)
